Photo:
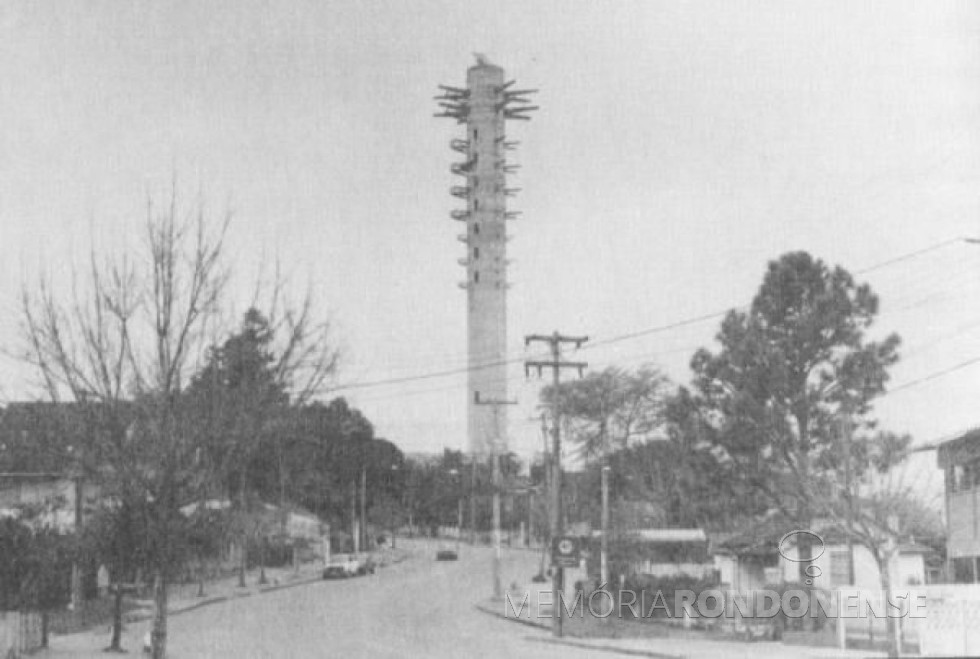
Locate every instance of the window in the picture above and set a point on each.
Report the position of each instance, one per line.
(476, 228)
(476, 204)
(476, 277)
(476, 252)
(964, 477)
(840, 568)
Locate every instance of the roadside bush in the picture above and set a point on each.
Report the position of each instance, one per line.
(270, 552)
(646, 588)
(783, 621)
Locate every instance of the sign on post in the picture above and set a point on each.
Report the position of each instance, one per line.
(565, 551)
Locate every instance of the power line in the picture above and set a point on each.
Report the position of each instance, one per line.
(933, 376)
(627, 336)
(910, 255)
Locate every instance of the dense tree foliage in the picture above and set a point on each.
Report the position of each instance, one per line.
(770, 399)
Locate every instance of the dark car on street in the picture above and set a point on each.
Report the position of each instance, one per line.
(446, 555)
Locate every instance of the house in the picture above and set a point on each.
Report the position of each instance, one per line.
(764, 555)
(49, 499)
(959, 458)
(907, 567)
(749, 559)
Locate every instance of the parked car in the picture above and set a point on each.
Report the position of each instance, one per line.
(447, 555)
(367, 565)
(341, 567)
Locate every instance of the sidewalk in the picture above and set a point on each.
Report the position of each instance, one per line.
(641, 639)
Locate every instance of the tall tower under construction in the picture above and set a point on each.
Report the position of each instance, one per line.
(484, 106)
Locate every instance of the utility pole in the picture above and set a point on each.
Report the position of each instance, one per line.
(604, 541)
(546, 463)
(459, 522)
(555, 341)
(498, 443)
(846, 446)
(473, 500)
(355, 532)
(365, 545)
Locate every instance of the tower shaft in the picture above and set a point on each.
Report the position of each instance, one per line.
(483, 107)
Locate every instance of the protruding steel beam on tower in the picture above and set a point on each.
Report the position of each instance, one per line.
(462, 168)
(461, 91)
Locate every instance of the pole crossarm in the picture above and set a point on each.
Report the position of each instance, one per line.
(541, 365)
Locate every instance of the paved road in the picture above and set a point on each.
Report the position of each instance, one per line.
(418, 608)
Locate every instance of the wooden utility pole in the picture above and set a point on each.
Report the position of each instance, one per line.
(498, 444)
(555, 340)
(365, 544)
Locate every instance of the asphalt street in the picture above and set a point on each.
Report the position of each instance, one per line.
(417, 608)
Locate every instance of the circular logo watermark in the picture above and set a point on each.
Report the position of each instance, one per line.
(812, 571)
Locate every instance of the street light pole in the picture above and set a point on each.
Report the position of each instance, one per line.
(364, 532)
(498, 443)
(846, 447)
(604, 541)
(459, 522)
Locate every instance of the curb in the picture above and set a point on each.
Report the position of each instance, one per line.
(608, 648)
(577, 644)
(217, 599)
(503, 616)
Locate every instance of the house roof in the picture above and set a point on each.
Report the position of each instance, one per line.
(961, 448)
(755, 537)
(665, 535)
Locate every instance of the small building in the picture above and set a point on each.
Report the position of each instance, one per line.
(49, 498)
(660, 552)
(959, 458)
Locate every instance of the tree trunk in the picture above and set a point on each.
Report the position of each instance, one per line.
(242, 560)
(201, 568)
(891, 621)
(44, 628)
(158, 637)
(115, 645)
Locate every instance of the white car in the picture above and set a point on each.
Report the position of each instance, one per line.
(341, 567)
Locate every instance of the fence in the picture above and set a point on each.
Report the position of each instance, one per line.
(20, 632)
(951, 624)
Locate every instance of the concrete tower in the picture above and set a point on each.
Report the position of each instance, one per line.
(483, 107)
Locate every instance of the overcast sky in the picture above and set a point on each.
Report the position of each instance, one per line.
(680, 146)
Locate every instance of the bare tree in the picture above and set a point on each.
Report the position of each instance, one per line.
(126, 342)
(886, 506)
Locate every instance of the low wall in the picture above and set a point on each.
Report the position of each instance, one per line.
(20, 632)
